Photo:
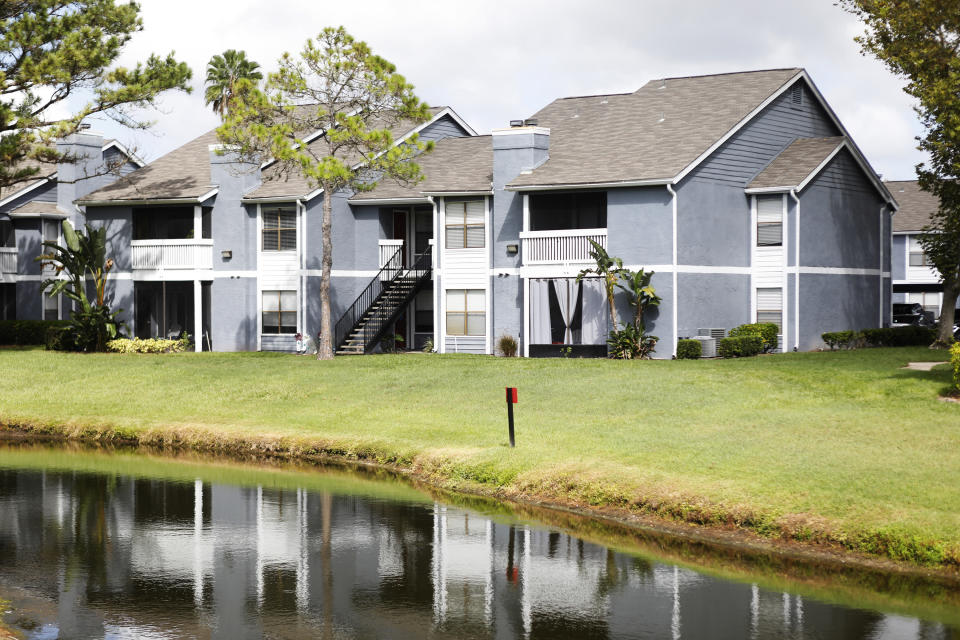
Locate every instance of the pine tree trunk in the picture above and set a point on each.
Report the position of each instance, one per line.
(951, 290)
(611, 291)
(325, 349)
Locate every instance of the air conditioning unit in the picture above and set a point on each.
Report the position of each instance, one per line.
(708, 346)
(717, 334)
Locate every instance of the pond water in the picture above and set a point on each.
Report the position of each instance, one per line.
(100, 544)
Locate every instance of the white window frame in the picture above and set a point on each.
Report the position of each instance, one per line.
(467, 312)
(280, 311)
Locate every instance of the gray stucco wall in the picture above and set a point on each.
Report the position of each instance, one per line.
(343, 291)
(507, 302)
(711, 300)
(836, 303)
(233, 322)
(355, 231)
(512, 153)
(713, 224)
(232, 223)
(840, 219)
(640, 225)
(898, 259)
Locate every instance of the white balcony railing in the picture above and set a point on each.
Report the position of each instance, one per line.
(171, 254)
(560, 246)
(8, 259)
(387, 249)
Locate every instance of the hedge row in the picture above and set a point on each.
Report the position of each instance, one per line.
(766, 331)
(689, 349)
(27, 332)
(740, 347)
(884, 337)
(148, 345)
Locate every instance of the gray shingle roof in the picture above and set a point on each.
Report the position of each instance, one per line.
(43, 173)
(455, 165)
(651, 134)
(916, 205)
(182, 173)
(279, 185)
(796, 162)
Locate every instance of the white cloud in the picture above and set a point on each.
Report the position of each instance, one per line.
(495, 60)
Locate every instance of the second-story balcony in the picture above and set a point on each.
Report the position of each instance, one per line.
(560, 246)
(8, 260)
(171, 254)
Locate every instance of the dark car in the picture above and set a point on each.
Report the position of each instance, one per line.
(911, 313)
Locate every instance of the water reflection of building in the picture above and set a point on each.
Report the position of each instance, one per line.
(233, 562)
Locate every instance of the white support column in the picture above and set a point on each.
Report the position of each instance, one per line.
(526, 316)
(197, 316)
(197, 222)
(439, 246)
(676, 296)
(880, 305)
(526, 212)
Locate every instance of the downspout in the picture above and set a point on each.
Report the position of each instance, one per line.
(880, 305)
(796, 277)
(675, 296)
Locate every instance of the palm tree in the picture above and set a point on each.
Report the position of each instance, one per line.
(223, 74)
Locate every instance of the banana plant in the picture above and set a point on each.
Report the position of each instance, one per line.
(641, 292)
(609, 269)
(85, 255)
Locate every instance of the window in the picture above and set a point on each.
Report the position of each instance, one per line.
(279, 312)
(770, 306)
(279, 228)
(8, 301)
(465, 224)
(580, 210)
(466, 312)
(917, 256)
(7, 238)
(930, 301)
(769, 221)
(51, 307)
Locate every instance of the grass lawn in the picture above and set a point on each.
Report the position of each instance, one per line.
(846, 446)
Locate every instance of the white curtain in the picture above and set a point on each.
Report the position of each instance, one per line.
(567, 294)
(595, 312)
(539, 311)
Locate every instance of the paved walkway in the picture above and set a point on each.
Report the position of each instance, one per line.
(922, 366)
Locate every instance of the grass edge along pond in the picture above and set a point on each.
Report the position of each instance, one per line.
(842, 449)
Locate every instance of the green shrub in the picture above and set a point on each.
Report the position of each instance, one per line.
(507, 345)
(630, 343)
(842, 339)
(899, 336)
(740, 346)
(26, 332)
(149, 345)
(767, 332)
(689, 349)
(955, 362)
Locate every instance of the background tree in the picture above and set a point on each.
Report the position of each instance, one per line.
(338, 86)
(920, 41)
(224, 73)
(53, 50)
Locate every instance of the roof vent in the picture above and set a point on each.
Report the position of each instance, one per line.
(796, 95)
(663, 84)
(84, 126)
(530, 122)
(662, 117)
(516, 123)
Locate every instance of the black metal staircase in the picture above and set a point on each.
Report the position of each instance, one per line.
(381, 303)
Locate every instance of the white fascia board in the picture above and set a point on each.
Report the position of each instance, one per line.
(122, 149)
(457, 193)
(28, 189)
(54, 216)
(272, 200)
(148, 201)
(762, 190)
(657, 182)
(389, 201)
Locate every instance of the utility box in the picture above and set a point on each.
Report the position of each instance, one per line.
(708, 346)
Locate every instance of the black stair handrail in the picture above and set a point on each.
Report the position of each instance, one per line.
(374, 323)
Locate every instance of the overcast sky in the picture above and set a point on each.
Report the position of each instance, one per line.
(493, 61)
